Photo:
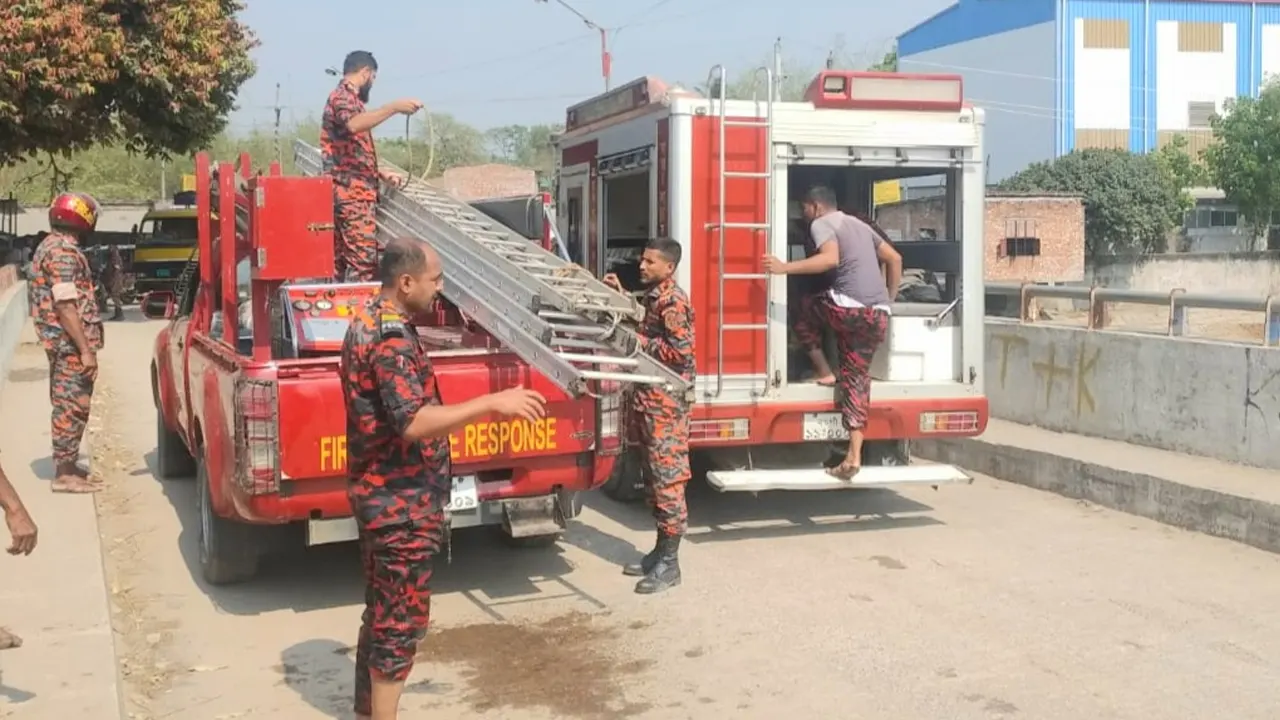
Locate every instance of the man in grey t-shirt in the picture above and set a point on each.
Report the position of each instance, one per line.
(856, 308)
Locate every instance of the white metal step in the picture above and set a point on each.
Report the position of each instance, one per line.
(872, 476)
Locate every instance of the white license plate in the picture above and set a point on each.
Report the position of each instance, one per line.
(824, 426)
(464, 496)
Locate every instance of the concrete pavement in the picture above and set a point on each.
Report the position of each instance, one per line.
(56, 598)
(967, 603)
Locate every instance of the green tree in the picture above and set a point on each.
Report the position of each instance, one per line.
(154, 76)
(888, 63)
(1245, 161)
(531, 146)
(1131, 203)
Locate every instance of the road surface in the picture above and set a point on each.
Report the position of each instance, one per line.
(987, 601)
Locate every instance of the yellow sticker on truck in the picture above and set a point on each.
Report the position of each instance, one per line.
(473, 443)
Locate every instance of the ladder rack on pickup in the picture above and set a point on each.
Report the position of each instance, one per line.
(555, 315)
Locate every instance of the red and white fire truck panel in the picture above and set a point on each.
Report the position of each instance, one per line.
(725, 178)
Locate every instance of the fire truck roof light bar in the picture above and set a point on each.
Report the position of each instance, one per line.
(499, 283)
(842, 89)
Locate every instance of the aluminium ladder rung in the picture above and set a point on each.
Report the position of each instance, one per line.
(745, 276)
(600, 359)
(738, 226)
(745, 123)
(752, 175)
(739, 326)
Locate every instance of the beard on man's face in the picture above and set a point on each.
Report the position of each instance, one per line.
(363, 93)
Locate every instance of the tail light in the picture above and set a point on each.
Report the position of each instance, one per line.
(949, 422)
(257, 439)
(610, 434)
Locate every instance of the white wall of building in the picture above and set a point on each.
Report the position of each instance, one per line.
(1270, 47)
(1187, 77)
(1101, 86)
(1011, 77)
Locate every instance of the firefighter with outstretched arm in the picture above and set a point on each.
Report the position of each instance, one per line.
(400, 476)
(346, 144)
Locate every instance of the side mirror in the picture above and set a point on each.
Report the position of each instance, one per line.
(158, 305)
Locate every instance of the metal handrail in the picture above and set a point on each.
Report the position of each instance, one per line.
(1177, 300)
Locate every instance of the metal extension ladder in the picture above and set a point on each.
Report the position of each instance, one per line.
(719, 79)
(555, 315)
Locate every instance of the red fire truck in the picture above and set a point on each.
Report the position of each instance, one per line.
(724, 177)
(248, 398)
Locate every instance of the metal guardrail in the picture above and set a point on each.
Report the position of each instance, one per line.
(1177, 300)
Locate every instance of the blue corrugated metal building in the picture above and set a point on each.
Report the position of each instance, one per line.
(1055, 75)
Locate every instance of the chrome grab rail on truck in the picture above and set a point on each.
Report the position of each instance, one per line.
(1177, 300)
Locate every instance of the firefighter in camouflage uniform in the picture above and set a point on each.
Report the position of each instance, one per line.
(64, 310)
(346, 144)
(399, 466)
(661, 419)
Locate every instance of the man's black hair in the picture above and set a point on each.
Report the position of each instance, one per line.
(402, 256)
(670, 249)
(822, 196)
(357, 61)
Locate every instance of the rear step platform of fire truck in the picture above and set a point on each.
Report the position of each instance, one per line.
(870, 476)
(556, 316)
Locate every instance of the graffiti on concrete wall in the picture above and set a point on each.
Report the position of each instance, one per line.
(1055, 367)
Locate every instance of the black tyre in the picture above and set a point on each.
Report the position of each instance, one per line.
(228, 554)
(172, 458)
(626, 484)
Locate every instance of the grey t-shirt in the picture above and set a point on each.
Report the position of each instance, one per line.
(858, 274)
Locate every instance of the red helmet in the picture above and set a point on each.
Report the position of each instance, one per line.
(76, 212)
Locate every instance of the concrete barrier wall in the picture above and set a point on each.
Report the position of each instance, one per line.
(1244, 273)
(1219, 400)
(13, 316)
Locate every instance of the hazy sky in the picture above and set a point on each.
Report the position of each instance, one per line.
(493, 62)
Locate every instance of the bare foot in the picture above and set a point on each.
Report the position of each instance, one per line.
(74, 485)
(8, 639)
(845, 470)
(71, 469)
(826, 380)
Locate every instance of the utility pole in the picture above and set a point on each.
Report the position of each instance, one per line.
(277, 132)
(777, 71)
(606, 60)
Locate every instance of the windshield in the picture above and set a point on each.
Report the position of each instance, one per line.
(174, 232)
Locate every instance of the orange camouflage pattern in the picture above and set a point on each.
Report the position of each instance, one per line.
(397, 488)
(661, 420)
(352, 161)
(58, 260)
(858, 332)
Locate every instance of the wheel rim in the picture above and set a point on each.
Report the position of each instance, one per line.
(206, 516)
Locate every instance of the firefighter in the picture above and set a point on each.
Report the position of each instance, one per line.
(64, 309)
(399, 469)
(346, 142)
(22, 534)
(661, 419)
(855, 307)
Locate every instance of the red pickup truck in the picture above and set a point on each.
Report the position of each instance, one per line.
(248, 398)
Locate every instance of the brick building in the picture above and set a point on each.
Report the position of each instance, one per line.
(1027, 237)
(494, 180)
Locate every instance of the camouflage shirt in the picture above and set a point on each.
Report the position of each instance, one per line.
(349, 158)
(60, 271)
(386, 379)
(667, 331)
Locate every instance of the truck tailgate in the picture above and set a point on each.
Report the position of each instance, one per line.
(313, 442)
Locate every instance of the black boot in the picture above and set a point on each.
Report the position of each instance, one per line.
(666, 572)
(646, 563)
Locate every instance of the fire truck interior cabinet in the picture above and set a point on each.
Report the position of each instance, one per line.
(626, 184)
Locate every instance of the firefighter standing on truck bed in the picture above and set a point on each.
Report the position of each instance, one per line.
(399, 467)
(346, 143)
(663, 420)
(65, 312)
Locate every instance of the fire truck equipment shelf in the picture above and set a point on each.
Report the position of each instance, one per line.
(556, 316)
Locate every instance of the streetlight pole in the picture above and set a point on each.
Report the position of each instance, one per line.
(606, 60)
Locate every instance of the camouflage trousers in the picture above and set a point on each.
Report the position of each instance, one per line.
(662, 430)
(355, 238)
(70, 393)
(398, 564)
(858, 332)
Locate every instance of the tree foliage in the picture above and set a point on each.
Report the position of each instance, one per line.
(1131, 202)
(1245, 161)
(152, 76)
(888, 63)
